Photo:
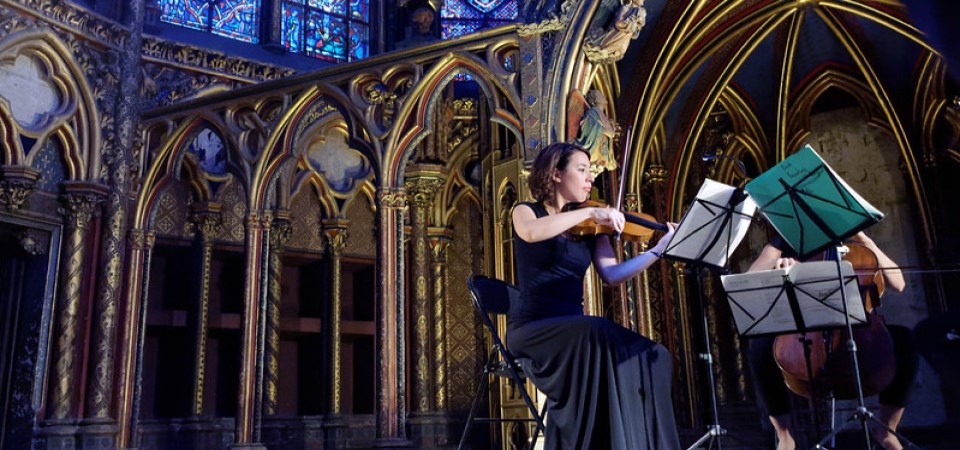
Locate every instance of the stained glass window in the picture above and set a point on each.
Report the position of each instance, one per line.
(235, 19)
(334, 30)
(459, 17)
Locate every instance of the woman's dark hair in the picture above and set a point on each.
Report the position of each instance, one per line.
(554, 156)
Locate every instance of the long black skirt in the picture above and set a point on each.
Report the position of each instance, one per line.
(606, 386)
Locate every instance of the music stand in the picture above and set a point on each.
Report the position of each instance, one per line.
(707, 234)
(812, 209)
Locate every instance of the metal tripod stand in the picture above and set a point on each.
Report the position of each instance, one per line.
(862, 415)
(714, 430)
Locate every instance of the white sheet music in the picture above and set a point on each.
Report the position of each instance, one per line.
(760, 304)
(703, 235)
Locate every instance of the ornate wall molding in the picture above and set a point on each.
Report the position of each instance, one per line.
(66, 15)
(210, 62)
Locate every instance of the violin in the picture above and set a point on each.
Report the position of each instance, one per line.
(831, 369)
(639, 227)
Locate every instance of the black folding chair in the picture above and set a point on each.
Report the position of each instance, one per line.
(492, 296)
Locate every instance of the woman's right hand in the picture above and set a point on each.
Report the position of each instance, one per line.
(609, 217)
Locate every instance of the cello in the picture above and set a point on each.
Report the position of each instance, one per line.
(830, 368)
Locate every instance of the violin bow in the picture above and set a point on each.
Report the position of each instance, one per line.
(618, 203)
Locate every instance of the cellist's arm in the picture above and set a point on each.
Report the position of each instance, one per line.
(770, 258)
(892, 275)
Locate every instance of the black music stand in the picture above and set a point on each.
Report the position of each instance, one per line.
(812, 209)
(798, 299)
(708, 233)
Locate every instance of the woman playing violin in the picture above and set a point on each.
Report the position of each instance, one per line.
(606, 386)
(768, 379)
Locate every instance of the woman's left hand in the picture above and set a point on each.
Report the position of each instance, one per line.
(665, 240)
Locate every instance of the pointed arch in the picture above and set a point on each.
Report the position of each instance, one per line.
(168, 161)
(412, 121)
(281, 145)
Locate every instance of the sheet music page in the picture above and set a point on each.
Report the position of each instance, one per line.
(760, 305)
(808, 204)
(703, 235)
(758, 302)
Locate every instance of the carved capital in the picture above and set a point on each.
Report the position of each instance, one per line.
(260, 220)
(423, 185)
(80, 201)
(335, 233)
(630, 202)
(656, 173)
(392, 198)
(207, 217)
(16, 184)
(440, 239)
(142, 240)
(280, 229)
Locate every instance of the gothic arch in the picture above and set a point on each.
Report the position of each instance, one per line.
(74, 121)
(282, 144)
(412, 122)
(169, 162)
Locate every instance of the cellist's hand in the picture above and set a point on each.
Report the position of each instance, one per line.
(783, 263)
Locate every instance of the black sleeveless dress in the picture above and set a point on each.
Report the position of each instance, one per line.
(606, 386)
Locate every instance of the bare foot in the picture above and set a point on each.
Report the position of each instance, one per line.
(887, 440)
(786, 442)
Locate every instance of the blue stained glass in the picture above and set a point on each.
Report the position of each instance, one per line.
(359, 47)
(338, 7)
(452, 29)
(326, 36)
(333, 30)
(186, 13)
(506, 13)
(485, 5)
(360, 10)
(460, 17)
(459, 9)
(238, 19)
(291, 27)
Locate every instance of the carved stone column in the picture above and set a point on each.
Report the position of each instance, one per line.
(16, 184)
(335, 232)
(421, 186)
(440, 239)
(208, 222)
(279, 235)
(117, 155)
(254, 311)
(390, 343)
(80, 201)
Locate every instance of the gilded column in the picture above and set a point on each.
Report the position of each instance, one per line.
(391, 359)
(279, 235)
(439, 243)
(254, 305)
(335, 232)
(421, 186)
(139, 246)
(80, 201)
(208, 221)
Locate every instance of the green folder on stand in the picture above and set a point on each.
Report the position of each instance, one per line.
(809, 205)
